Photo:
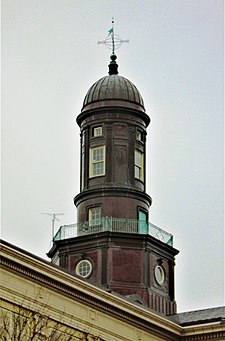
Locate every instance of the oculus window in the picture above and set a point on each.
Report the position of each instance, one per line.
(139, 165)
(97, 161)
(84, 268)
(159, 275)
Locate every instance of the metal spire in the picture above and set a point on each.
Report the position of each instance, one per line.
(113, 40)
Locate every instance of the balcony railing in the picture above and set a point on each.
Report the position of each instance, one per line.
(114, 225)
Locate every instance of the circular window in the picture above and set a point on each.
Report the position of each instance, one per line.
(159, 275)
(84, 268)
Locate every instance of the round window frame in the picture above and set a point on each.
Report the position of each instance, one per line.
(159, 277)
(78, 265)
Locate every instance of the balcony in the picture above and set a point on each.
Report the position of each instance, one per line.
(113, 225)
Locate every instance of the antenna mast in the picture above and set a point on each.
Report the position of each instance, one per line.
(54, 218)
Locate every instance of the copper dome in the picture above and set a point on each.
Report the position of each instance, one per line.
(117, 89)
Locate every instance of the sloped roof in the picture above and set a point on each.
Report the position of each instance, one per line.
(199, 316)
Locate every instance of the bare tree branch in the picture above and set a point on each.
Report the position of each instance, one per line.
(21, 324)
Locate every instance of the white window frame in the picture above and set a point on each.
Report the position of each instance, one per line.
(139, 136)
(84, 268)
(139, 165)
(93, 163)
(97, 131)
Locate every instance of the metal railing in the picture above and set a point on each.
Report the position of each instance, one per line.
(114, 225)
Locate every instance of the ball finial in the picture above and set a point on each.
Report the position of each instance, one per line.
(113, 57)
(113, 66)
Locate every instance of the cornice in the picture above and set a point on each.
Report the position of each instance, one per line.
(112, 191)
(219, 335)
(135, 241)
(113, 106)
(45, 274)
(205, 331)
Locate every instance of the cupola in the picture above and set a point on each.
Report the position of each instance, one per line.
(113, 245)
(113, 126)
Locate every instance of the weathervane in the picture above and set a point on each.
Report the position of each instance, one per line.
(112, 41)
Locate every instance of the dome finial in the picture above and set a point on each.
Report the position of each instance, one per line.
(113, 66)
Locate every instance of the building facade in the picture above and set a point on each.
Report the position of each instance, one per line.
(42, 302)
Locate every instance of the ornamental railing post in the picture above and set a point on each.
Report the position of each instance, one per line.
(148, 228)
(110, 223)
(107, 223)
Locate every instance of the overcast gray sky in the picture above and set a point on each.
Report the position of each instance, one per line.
(50, 58)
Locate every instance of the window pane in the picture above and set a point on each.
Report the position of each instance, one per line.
(94, 216)
(84, 269)
(95, 213)
(139, 136)
(97, 131)
(98, 168)
(98, 154)
(137, 158)
(137, 172)
(139, 165)
(97, 161)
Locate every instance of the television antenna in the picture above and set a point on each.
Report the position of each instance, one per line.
(54, 218)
